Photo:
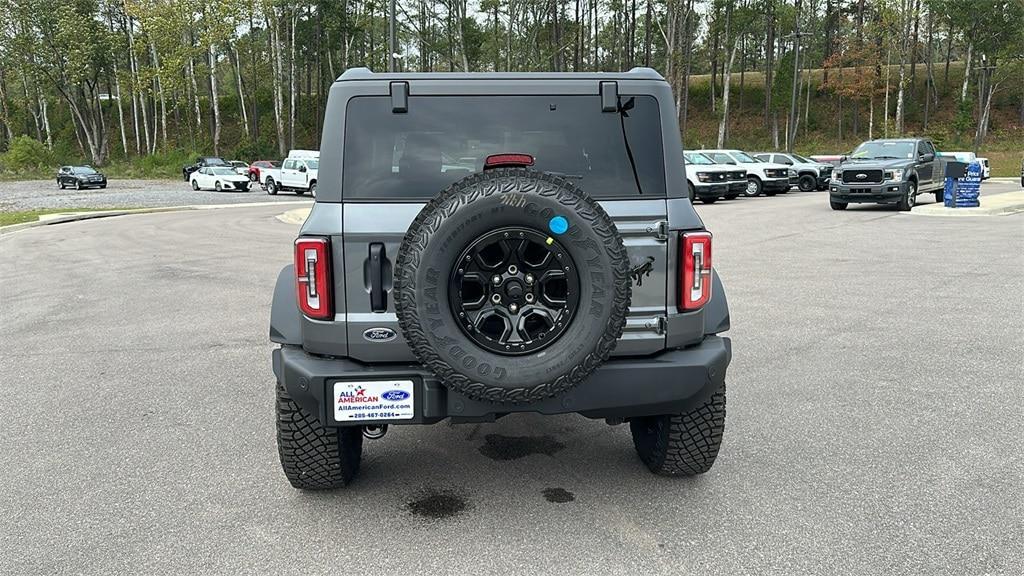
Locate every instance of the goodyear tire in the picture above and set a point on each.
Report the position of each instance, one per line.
(511, 202)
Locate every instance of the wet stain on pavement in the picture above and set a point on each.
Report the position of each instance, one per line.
(558, 495)
(437, 505)
(498, 447)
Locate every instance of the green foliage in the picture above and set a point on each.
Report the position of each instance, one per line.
(250, 150)
(26, 154)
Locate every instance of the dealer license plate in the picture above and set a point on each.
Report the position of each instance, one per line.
(373, 400)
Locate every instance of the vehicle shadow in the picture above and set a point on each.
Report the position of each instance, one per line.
(445, 470)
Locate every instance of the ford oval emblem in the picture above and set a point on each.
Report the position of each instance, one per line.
(861, 176)
(379, 334)
(395, 395)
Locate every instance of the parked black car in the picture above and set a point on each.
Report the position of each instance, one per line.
(203, 162)
(79, 177)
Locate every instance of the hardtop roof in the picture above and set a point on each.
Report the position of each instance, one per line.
(639, 73)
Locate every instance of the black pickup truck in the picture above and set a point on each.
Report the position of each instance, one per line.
(890, 171)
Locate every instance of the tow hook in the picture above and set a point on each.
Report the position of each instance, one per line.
(375, 432)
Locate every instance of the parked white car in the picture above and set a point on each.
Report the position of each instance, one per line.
(240, 167)
(709, 181)
(762, 177)
(810, 175)
(986, 170)
(218, 178)
(298, 173)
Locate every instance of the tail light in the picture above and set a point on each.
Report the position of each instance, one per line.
(694, 270)
(313, 277)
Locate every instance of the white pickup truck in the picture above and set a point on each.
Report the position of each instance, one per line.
(298, 173)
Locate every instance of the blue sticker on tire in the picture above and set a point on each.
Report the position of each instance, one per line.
(558, 225)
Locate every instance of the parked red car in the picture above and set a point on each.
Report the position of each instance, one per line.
(254, 168)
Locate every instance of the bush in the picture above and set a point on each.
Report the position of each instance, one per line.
(25, 154)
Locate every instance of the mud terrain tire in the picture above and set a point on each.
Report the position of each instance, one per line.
(682, 444)
(313, 456)
(472, 208)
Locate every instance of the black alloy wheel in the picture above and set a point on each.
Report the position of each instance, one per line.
(514, 291)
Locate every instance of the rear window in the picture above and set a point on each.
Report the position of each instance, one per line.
(442, 139)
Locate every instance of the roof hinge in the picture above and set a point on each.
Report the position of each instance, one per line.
(399, 97)
(609, 96)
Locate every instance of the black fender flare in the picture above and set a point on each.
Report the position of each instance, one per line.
(716, 312)
(285, 318)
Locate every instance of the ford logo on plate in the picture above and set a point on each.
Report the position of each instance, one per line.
(379, 334)
(395, 395)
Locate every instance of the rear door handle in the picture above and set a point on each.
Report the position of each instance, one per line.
(378, 297)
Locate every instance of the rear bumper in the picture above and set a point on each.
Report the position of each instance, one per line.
(884, 193)
(668, 383)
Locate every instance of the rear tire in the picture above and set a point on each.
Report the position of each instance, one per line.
(837, 205)
(216, 186)
(807, 183)
(61, 184)
(195, 185)
(683, 444)
(313, 456)
(271, 187)
(940, 196)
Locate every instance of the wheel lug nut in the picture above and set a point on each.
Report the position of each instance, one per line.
(529, 278)
(496, 298)
(513, 308)
(496, 279)
(529, 297)
(512, 269)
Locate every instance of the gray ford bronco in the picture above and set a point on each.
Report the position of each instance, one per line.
(483, 244)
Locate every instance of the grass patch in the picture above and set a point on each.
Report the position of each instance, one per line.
(22, 216)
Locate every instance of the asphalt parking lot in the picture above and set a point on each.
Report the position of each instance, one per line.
(122, 193)
(875, 416)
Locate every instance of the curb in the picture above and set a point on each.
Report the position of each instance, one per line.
(296, 216)
(1003, 204)
(50, 219)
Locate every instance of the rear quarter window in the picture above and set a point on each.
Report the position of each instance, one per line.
(442, 139)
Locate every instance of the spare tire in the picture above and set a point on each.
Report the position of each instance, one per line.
(512, 286)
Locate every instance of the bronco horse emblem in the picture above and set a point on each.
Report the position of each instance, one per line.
(641, 270)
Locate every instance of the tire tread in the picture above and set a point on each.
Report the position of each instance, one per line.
(315, 457)
(685, 444)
